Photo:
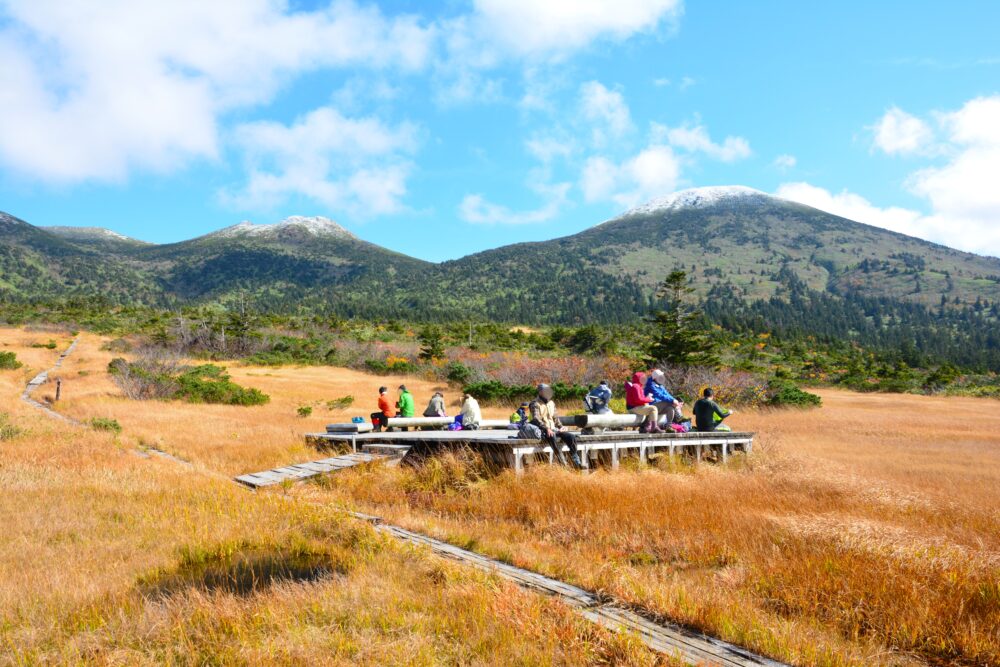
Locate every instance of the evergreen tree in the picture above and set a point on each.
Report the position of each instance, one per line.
(431, 343)
(679, 334)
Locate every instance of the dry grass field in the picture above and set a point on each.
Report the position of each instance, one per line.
(863, 533)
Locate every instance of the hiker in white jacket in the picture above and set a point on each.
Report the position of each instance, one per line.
(471, 414)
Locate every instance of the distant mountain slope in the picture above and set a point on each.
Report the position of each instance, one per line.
(724, 236)
(748, 242)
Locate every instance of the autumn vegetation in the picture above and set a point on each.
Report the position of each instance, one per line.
(864, 532)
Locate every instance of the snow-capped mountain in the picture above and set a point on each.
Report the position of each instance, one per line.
(700, 198)
(296, 224)
(89, 234)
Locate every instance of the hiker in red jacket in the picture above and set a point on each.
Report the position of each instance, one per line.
(638, 403)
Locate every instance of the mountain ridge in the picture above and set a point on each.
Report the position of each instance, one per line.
(732, 236)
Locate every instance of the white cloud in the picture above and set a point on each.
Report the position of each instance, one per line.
(696, 140)
(546, 148)
(93, 90)
(962, 193)
(477, 210)
(606, 110)
(852, 206)
(355, 164)
(785, 162)
(652, 172)
(530, 27)
(899, 133)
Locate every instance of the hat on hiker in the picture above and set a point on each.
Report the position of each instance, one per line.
(658, 376)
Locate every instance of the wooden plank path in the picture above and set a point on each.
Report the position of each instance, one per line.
(301, 471)
(41, 379)
(694, 648)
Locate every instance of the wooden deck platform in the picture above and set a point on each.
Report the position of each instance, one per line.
(514, 452)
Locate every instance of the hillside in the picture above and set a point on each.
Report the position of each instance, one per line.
(733, 237)
(735, 241)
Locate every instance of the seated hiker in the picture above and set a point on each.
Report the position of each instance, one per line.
(435, 408)
(405, 404)
(639, 403)
(545, 421)
(597, 399)
(380, 419)
(518, 417)
(666, 405)
(706, 410)
(471, 414)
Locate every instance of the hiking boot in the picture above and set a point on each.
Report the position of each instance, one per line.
(577, 462)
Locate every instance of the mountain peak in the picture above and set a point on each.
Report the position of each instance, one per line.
(89, 233)
(8, 219)
(296, 224)
(698, 198)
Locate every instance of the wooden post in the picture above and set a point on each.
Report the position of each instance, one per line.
(614, 456)
(58, 388)
(725, 452)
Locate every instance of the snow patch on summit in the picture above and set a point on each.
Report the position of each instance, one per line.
(317, 226)
(697, 198)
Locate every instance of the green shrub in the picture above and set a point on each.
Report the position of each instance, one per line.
(8, 431)
(209, 383)
(9, 362)
(340, 403)
(393, 365)
(304, 411)
(786, 394)
(459, 373)
(51, 345)
(106, 424)
(293, 351)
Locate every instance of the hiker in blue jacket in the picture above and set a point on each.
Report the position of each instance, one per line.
(668, 406)
(597, 399)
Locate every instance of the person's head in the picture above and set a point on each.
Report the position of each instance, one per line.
(603, 383)
(524, 406)
(467, 397)
(658, 376)
(708, 393)
(638, 377)
(438, 394)
(382, 390)
(545, 392)
(402, 388)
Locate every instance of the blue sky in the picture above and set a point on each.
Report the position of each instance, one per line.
(440, 130)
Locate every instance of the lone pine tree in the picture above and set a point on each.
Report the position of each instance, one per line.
(679, 334)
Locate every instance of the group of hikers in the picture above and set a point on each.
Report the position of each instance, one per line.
(469, 417)
(645, 395)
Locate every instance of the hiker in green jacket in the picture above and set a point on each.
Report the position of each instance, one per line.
(405, 403)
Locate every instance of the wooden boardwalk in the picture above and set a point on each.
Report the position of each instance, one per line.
(694, 648)
(301, 471)
(43, 377)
